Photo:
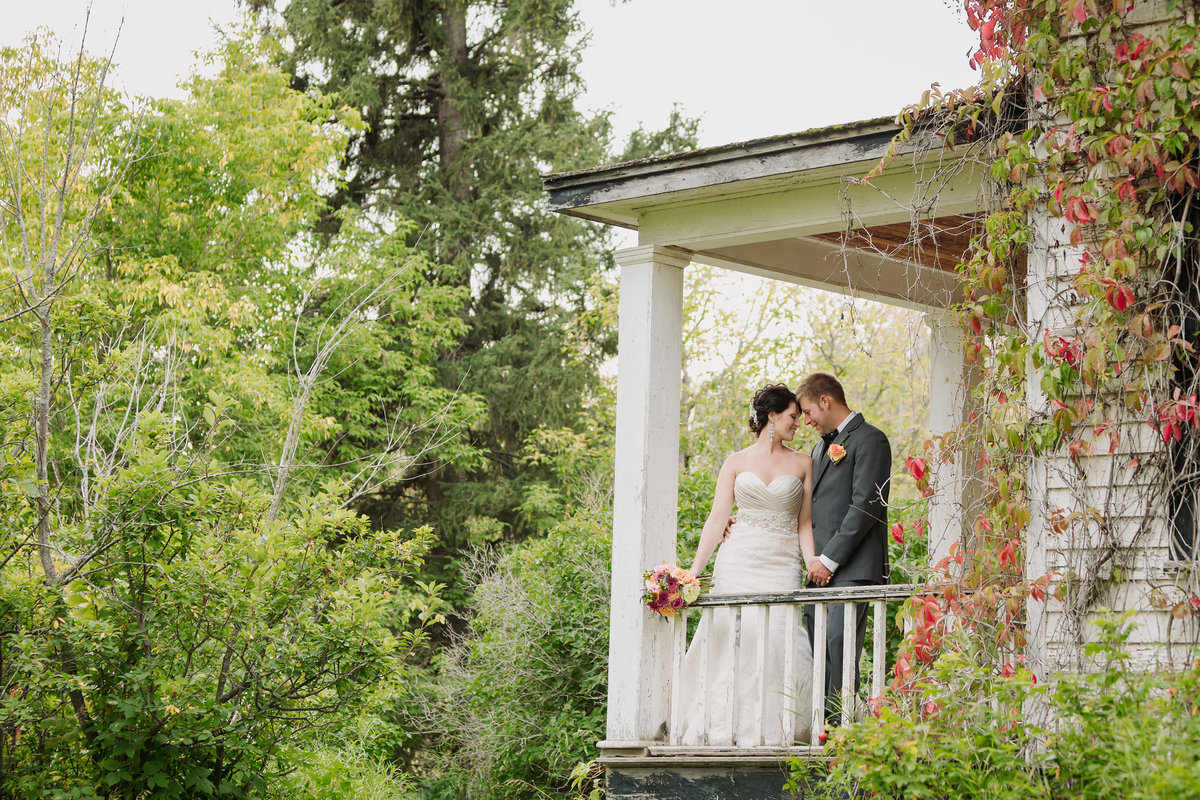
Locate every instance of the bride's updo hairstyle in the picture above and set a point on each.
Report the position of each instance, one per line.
(775, 397)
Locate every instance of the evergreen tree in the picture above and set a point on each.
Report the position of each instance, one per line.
(465, 104)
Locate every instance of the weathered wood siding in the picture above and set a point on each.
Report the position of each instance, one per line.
(1114, 552)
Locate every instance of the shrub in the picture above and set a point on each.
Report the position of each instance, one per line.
(963, 732)
(523, 690)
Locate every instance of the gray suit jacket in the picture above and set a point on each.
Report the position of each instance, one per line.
(850, 503)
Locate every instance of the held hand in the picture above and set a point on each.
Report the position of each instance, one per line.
(818, 573)
(728, 526)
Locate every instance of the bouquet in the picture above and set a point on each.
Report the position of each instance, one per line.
(669, 588)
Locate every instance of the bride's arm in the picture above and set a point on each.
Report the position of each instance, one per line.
(718, 517)
(807, 547)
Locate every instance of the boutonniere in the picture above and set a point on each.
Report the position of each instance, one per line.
(836, 453)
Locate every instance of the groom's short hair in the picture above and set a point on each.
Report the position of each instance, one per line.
(821, 383)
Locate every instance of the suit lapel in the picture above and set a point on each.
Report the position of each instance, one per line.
(841, 439)
(821, 462)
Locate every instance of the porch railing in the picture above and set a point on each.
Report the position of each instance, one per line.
(789, 604)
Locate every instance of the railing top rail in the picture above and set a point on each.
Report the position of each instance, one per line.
(896, 591)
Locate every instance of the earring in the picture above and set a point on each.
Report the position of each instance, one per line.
(771, 431)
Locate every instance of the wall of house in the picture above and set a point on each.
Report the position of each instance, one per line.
(1100, 523)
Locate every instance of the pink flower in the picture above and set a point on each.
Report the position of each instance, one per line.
(836, 453)
(669, 588)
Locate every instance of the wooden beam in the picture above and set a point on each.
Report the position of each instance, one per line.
(807, 209)
(857, 594)
(822, 265)
(939, 242)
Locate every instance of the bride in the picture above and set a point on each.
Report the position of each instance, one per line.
(766, 551)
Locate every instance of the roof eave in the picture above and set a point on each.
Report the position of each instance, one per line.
(610, 193)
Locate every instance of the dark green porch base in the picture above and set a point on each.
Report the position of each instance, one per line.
(729, 781)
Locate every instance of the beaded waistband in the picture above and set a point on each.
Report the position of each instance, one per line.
(772, 520)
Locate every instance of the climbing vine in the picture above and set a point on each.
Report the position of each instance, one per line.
(1079, 314)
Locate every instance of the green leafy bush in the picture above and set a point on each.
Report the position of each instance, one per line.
(522, 692)
(188, 607)
(964, 732)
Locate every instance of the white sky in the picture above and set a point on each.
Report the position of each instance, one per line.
(749, 69)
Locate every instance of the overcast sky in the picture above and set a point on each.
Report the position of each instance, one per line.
(768, 67)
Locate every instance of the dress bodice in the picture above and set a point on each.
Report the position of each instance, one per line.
(772, 505)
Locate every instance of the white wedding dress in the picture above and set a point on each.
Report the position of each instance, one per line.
(762, 554)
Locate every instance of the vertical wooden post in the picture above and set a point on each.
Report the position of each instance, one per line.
(736, 677)
(791, 686)
(678, 651)
(879, 649)
(645, 487)
(947, 404)
(763, 698)
(818, 677)
(849, 660)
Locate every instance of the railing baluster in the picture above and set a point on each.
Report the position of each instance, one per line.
(789, 673)
(708, 619)
(818, 693)
(879, 649)
(718, 674)
(761, 702)
(849, 659)
(679, 645)
(735, 676)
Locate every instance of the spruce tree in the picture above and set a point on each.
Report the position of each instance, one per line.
(466, 104)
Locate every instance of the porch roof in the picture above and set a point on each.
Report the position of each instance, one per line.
(781, 207)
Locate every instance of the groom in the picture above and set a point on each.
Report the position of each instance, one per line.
(851, 468)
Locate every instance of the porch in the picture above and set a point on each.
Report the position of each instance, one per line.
(780, 208)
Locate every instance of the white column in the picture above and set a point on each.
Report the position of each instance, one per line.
(947, 405)
(649, 363)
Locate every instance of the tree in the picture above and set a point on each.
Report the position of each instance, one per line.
(781, 334)
(464, 105)
(178, 615)
(520, 695)
(209, 240)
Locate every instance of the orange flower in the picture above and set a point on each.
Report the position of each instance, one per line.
(836, 453)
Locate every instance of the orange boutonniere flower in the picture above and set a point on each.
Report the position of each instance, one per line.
(836, 453)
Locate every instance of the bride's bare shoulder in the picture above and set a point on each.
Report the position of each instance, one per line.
(740, 455)
(735, 461)
(803, 460)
